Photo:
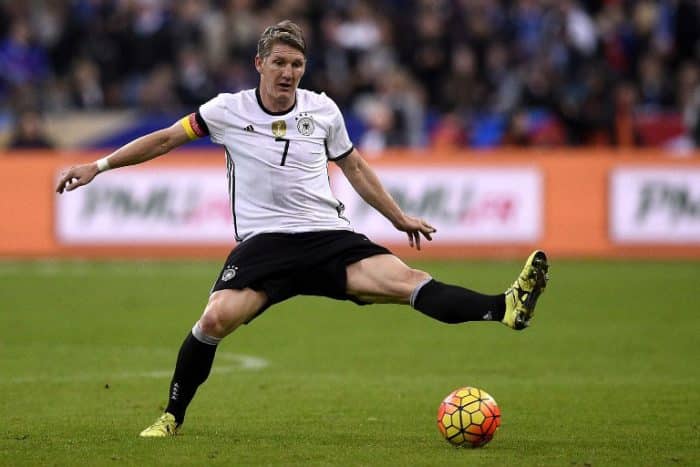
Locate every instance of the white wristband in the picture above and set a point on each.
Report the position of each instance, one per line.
(102, 164)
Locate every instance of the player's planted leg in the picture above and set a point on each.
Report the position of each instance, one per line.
(161, 428)
(194, 362)
(522, 296)
(226, 310)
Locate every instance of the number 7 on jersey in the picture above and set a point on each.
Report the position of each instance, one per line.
(286, 148)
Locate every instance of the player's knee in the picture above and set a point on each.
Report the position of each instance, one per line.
(217, 320)
(418, 276)
(412, 278)
(211, 323)
(409, 280)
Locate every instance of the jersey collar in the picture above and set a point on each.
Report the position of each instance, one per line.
(269, 112)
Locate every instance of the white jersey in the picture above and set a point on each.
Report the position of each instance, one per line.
(278, 162)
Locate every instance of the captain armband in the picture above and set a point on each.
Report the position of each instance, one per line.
(194, 126)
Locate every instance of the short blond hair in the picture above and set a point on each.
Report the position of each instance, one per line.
(286, 32)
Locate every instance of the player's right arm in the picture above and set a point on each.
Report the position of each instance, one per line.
(137, 151)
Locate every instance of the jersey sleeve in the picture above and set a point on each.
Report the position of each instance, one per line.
(213, 113)
(338, 144)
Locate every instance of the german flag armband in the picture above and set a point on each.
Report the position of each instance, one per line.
(194, 126)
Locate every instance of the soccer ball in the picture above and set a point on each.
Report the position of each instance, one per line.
(468, 417)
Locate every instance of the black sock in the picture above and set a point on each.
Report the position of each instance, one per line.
(453, 304)
(192, 369)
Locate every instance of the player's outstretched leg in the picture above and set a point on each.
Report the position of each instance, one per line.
(522, 296)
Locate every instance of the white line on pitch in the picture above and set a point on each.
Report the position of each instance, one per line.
(236, 362)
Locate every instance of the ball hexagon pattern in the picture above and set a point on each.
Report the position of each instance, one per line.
(469, 417)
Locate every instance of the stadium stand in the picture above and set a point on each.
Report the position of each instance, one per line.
(411, 73)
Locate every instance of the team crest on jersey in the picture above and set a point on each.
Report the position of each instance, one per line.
(279, 128)
(229, 273)
(305, 124)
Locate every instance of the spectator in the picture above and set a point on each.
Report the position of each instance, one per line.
(406, 101)
(194, 83)
(655, 91)
(504, 85)
(626, 134)
(462, 91)
(87, 87)
(22, 61)
(380, 122)
(449, 133)
(519, 132)
(29, 132)
(689, 99)
(428, 55)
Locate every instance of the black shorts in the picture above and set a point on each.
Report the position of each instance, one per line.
(287, 264)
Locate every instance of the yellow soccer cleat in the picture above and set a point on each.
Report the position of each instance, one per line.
(522, 296)
(163, 427)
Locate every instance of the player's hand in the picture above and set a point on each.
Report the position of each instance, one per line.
(414, 228)
(76, 176)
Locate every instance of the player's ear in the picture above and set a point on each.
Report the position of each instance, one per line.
(258, 63)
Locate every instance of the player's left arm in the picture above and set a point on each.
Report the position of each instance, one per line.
(367, 184)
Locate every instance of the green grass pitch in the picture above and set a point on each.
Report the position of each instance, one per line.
(608, 374)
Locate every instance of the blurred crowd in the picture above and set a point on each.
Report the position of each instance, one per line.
(444, 73)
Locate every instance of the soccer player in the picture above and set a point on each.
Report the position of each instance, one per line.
(293, 237)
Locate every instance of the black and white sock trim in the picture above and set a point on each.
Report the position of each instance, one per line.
(203, 338)
(415, 292)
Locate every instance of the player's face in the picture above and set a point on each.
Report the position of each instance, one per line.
(280, 73)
